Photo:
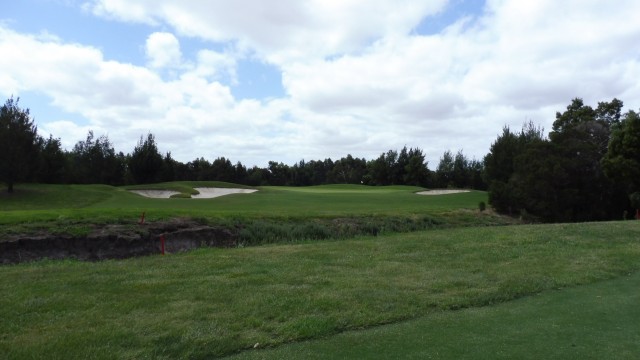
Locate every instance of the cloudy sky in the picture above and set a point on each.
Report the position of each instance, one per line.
(286, 80)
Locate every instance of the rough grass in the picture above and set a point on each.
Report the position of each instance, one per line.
(595, 321)
(214, 302)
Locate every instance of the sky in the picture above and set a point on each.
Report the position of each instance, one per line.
(285, 80)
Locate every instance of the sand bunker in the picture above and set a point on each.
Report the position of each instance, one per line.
(208, 193)
(205, 193)
(156, 194)
(441, 192)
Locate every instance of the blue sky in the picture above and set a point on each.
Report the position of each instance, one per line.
(256, 81)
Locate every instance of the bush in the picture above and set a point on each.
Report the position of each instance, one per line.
(482, 206)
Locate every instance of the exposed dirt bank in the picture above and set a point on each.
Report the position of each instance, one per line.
(116, 242)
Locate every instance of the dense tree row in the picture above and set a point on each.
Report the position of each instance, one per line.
(25, 156)
(585, 170)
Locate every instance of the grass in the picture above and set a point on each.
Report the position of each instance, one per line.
(28, 197)
(72, 208)
(331, 200)
(596, 321)
(215, 302)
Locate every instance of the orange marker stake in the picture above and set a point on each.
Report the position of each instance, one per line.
(162, 244)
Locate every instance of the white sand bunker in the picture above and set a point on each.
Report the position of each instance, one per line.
(208, 193)
(205, 193)
(156, 194)
(441, 192)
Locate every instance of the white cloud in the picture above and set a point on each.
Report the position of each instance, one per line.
(124, 100)
(279, 31)
(163, 50)
(356, 79)
(216, 65)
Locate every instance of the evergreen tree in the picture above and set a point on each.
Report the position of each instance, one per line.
(51, 162)
(18, 143)
(146, 163)
(94, 161)
(444, 171)
(621, 163)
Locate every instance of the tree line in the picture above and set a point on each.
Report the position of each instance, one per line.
(27, 157)
(587, 168)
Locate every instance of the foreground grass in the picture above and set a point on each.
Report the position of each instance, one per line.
(596, 321)
(214, 302)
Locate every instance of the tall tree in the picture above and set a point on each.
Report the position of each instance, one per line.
(416, 171)
(581, 135)
(145, 162)
(622, 160)
(18, 143)
(501, 162)
(444, 171)
(223, 170)
(169, 168)
(348, 170)
(51, 162)
(279, 173)
(380, 170)
(461, 174)
(475, 172)
(94, 161)
(560, 179)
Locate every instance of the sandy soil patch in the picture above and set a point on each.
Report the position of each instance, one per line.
(156, 194)
(441, 192)
(208, 193)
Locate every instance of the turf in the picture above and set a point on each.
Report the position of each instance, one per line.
(73, 208)
(215, 302)
(287, 201)
(596, 321)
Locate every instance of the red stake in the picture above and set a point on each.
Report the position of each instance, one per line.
(142, 218)
(162, 244)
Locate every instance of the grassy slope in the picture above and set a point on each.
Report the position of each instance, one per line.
(212, 302)
(51, 207)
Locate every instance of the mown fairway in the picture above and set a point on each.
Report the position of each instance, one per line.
(71, 207)
(269, 200)
(214, 302)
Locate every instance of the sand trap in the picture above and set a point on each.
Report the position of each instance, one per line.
(205, 193)
(441, 192)
(208, 193)
(156, 194)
